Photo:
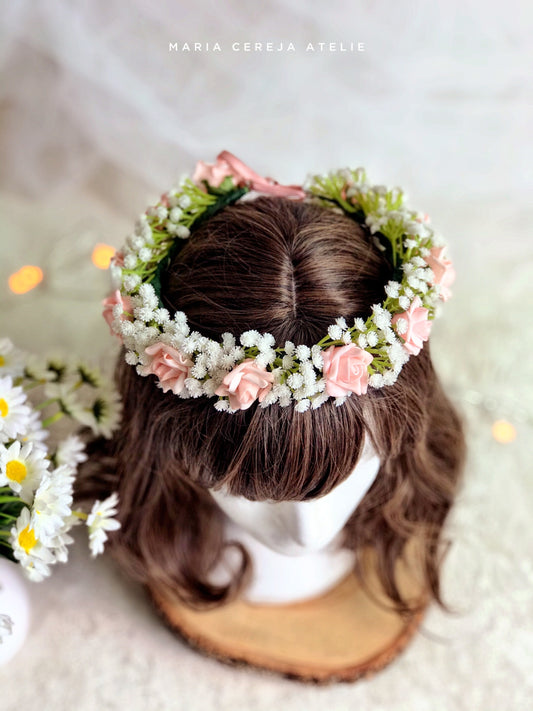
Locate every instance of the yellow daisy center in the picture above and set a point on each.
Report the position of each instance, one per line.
(4, 407)
(2, 361)
(27, 539)
(16, 471)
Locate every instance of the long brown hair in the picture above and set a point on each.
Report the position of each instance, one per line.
(287, 268)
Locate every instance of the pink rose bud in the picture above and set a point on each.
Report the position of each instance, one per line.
(416, 327)
(346, 370)
(113, 300)
(169, 365)
(244, 384)
(214, 174)
(443, 271)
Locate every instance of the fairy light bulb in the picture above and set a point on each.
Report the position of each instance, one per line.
(26, 279)
(503, 431)
(102, 255)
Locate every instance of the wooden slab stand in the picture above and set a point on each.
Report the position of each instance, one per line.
(341, 636)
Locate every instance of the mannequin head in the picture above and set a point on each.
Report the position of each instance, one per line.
(287, 268)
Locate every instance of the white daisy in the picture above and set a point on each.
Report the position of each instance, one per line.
(103, 416)
(22, 468)
(33, 556)
(89, 375)
(35, 433)
(14, 413)
(52, 503)
(11, 359)
(71, 452)
(101, 520)
(37, 369)
(68, 399)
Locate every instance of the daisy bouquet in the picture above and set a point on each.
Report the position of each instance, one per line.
(37, 477)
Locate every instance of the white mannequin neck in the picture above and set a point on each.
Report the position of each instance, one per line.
(294, 545)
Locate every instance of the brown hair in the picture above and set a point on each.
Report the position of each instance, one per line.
(287, 268)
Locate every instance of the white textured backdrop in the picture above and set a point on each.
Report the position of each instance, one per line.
(99, 117)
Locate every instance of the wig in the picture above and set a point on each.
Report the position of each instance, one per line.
(288, 268)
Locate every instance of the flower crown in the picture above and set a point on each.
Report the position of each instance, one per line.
(240, 370)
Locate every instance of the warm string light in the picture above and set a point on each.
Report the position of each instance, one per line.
(102, 255)
(26, 279)
(503, 431)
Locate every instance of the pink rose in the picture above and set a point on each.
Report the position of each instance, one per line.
(115, 299)
(346, 370)
(244, 384)
(417, 326)
(228, 164)
(169, 365)
(443, 271)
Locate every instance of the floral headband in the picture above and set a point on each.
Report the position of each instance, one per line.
(241, 369)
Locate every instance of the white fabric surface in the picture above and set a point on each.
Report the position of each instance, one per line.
(99, 118)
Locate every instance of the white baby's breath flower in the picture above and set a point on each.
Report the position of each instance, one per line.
(228, 341)
(401, 325)
(319, 400)
(289, 347)
(182, 232)
(347, 337)
(287, 362)
(317, 357)
(145, 254)
(99, 521)
(266, 342)
(392, 289)
(302, 405)
(376, 380)
(184, 201)
(372, 338)
(130, 261)
(12, 360)
(22, 468)
(14, 412)
(295, 380)
(161, 212)
(389, 377)
(221, 405)
(404, 302)
(131, 281)
(34, 557)
(335, 332)
(303, 353)
(249, 339)
(359, 324)
(175, 214)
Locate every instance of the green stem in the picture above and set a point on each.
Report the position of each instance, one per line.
(9, 499)
(53, 418)
(46, 403)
